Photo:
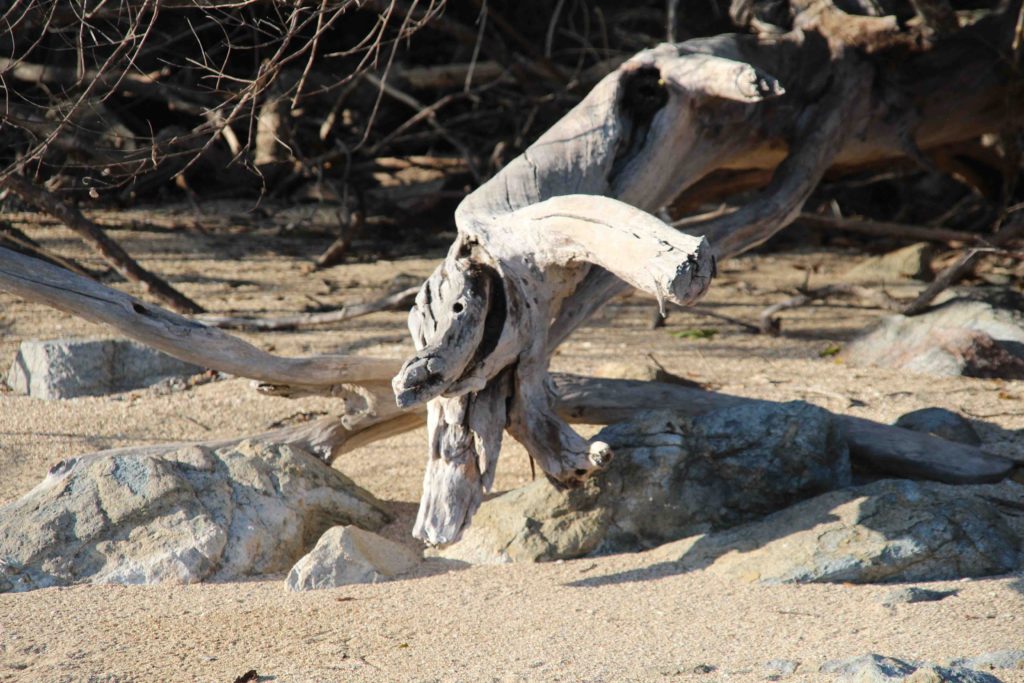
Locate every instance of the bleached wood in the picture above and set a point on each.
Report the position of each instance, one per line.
(567, 225)
(186, 339)
(571, 205)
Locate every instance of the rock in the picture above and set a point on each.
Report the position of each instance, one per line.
(989, 661)
(870, 666)
(346, 555)
(906, 596)
(66, 368)
(940, 422)
(671, 477)
(645, 370)
(933, 673)
(960, 337)
(176, 514)
(913, 262)
(777, 668)
(887, 531)
(874, 668)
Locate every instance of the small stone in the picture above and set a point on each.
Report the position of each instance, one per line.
(905, 596)
(705, 669)
(346, 555)
(913, 262)
(940, 422)
(781, 667)
(932, 673)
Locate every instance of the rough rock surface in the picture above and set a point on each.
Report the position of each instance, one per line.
(940, 422)
(960, 337)
(346, 555)
(890, 530)
(66, 368)
(181, 514)
(912, 262)
(672, 477)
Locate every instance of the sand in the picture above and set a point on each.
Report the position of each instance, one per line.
(619, 618)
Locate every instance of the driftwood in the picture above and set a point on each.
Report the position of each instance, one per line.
(536, 244)
(568, 224)
(368, 412)
(964, 266)
(912, 233)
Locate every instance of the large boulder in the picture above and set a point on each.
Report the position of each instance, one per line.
(890, 530)
(963, 336)
(66, 368)
(180, 515)
(672, 477)
(347, 554)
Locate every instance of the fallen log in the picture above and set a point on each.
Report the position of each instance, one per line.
(191, 341)
(369, 413)
(884, 448)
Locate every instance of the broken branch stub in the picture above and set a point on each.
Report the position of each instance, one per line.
(572, 208)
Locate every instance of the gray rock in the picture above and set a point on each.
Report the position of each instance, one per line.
(960, 337)
(66, 368)
(672, 477)
(912, 594)
(874, 668)
(347, 554)
(181, 514)
(940, 422)
(1001, 659)
(913, 262)
(933, 673)
(869, 667)
(777, 668)
(890, 530)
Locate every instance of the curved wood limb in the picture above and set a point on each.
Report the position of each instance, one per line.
(816, 143)
(362, 379)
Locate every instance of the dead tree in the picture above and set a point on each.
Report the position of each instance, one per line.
(568, 224)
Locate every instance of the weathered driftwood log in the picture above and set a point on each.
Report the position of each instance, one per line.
(528, 240)
(566, 225)
(537, 244)
(883, 447)
(368, 413)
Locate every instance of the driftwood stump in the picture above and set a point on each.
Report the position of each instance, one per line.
(528, 240)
